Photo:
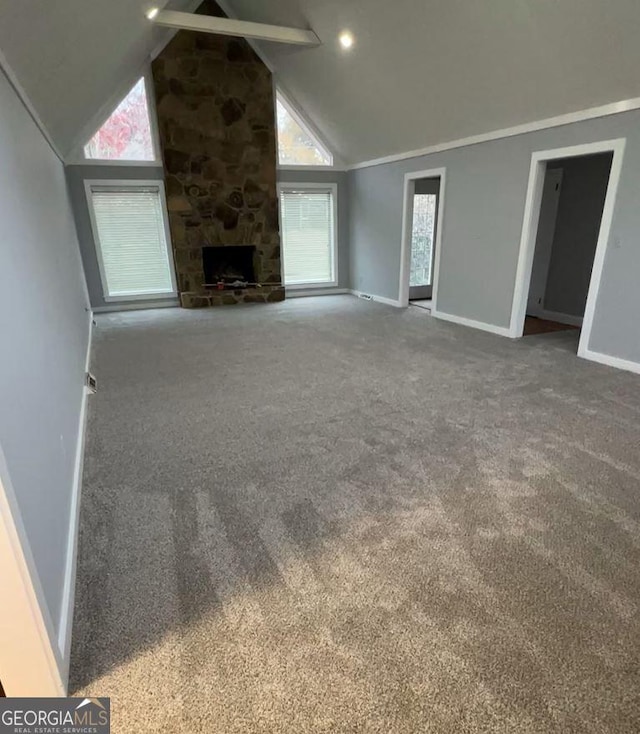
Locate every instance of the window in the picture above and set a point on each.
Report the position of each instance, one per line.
(424, 221)
(308, 224)
(297, 145)
(126, 135)
(130, 234)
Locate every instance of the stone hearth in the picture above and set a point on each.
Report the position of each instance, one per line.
(216, 121)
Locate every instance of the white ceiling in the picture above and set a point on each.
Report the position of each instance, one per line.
(76, 58)
(424, 72)
(421, 72)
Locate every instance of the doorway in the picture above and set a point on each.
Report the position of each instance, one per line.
(421, 238)
(571, 209)
(565, 232)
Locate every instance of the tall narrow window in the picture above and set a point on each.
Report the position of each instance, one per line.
(131, 239)
(424, 221)
(297, 145)
(126, 135)
(308, 225)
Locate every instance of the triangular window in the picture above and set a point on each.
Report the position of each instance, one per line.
(126, 135)
(297, 145)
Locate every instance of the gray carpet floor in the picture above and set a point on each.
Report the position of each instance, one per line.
(329, 515)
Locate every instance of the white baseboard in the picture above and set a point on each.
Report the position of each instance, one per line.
(379, 299)
(68, 591)
(600, 357)
(561, 318)
(307, 292)
(141, 305)
(483, 326)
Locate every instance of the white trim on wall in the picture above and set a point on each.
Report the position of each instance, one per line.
(611, 361)
(310, 292)
(482, 325)
(531, 216)
(584, 349)
(132, 184)
(26, 102)
(313, 186)
(114, 164)
(405, 246)
(591, 113)
(379, 299)
(140, 306)
(68, 591)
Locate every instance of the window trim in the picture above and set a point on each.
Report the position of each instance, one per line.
(80, 158)
(134, 185)
(321, 187)
(284, 100)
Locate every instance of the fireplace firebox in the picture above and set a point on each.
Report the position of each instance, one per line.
(229, 266)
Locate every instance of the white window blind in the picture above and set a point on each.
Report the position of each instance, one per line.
(131, 237)
(307, 221)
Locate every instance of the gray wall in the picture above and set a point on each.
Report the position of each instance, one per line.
(483, 210)
(44, 323)
(78, 174)
(584, 187)
(76, 177)
(340, 178)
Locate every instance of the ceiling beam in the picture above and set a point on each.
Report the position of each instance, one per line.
(230, 27)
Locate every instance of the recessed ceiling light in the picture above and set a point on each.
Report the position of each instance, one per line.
(151, 14)
(346, 39)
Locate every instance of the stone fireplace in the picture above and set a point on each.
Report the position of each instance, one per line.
(216, 121)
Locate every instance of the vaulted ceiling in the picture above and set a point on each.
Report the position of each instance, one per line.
(424, 72)
(421, 72)
(74, 58)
